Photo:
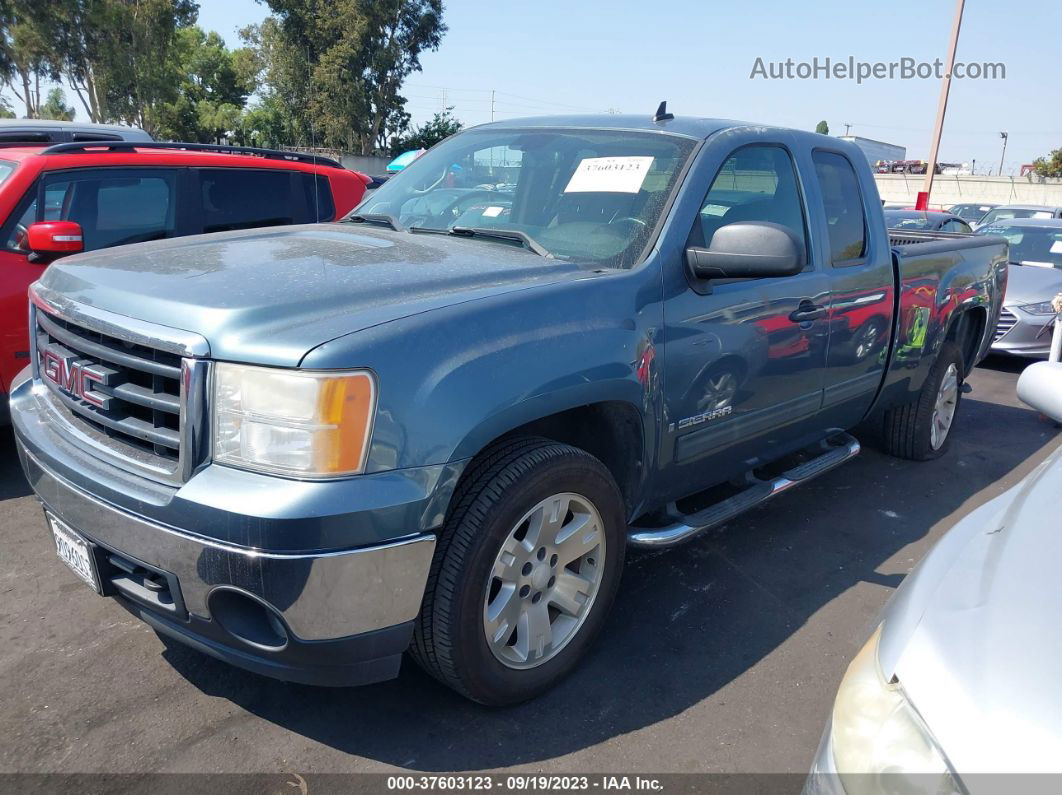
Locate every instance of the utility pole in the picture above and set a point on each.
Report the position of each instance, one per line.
(492, 104)
(846, 126)
(942, 107)
(1004, 136)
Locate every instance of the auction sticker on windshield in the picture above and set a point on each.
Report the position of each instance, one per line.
(609, 175)
(74, 551)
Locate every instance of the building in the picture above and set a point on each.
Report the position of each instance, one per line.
(877, 150)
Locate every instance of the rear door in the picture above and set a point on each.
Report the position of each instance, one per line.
(744, 358)
(859, 264)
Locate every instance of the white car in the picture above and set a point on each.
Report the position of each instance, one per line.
(961, 678)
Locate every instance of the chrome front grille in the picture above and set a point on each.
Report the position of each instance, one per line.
(133, 393)
(1007, 321)
(126, 391)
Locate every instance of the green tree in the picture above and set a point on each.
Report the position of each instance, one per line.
(281, 76)
(442, 125)
(1050, 166)
(119, 56)
(337, 67)
(5, 109)
(27, 55)
(822, 128)
(268, 124)
(55, 107)
(213, 84)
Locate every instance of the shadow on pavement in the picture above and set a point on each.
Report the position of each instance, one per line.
(687, 621)
(12, 483)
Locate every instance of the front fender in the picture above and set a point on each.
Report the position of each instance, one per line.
(452, 380)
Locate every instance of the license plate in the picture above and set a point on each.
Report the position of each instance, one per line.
(74, 551)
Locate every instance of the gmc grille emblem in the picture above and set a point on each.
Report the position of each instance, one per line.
(76, 376)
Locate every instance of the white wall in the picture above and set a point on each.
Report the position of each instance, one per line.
(954, 189)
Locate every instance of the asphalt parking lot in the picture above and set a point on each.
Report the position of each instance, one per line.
(721, 656)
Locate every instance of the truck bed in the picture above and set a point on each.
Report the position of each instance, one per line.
(940, 276)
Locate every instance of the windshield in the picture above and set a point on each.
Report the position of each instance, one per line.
(970, 212)
(902, 220)
(1003, 213)
(6, 167)
(1030, 245)
(586, 195)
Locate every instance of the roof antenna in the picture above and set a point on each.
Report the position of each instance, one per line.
(662, 114)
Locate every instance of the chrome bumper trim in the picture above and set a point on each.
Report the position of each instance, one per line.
(319, 595)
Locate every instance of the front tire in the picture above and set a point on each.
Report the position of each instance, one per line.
(921, 430)
(526, 569)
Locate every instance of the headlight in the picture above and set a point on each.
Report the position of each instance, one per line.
(293, 422)
(1042, 308)
(880, 743)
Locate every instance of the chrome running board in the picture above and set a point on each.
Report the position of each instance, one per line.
(836, 451)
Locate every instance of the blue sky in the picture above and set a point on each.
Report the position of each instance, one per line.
(589, 55)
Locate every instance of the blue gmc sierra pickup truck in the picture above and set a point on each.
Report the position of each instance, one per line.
(438, 425)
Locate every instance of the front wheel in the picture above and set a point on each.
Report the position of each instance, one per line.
(525, 572)
(921, 430)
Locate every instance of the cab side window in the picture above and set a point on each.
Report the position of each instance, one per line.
(756, 183)
(843, 207)
(243, 198)
(114, 207)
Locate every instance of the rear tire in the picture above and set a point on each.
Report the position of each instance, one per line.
(491, 625)
(922, 429)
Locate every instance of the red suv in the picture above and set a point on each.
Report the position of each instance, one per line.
(56, 200)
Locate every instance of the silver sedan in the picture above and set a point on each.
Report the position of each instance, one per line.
(961, 677)
(1035, 277)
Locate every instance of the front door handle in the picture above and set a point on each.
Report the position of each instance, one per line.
(807, 311)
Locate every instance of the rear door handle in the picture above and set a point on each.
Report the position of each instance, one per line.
(807, 311)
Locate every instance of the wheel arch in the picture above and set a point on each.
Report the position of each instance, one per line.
(967, 329)
(613, 431)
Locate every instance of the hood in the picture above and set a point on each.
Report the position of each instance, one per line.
(981, 663)
(268, 296)
(1030, 284)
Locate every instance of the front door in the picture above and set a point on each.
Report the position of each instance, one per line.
(744, 358)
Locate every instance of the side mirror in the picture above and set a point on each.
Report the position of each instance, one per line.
(748, 249)
(48, 240)
(1040, 386)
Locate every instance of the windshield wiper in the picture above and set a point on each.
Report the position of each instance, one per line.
(384, 219)
(502, 234)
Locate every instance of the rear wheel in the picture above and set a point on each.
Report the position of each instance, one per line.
(525, 572)
(921, 430)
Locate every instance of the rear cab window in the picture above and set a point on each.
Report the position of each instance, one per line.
(842, 202)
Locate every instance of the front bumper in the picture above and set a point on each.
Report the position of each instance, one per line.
(823, 778)
(334, 616)
(1028, 335)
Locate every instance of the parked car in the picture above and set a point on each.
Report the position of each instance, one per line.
(1008, 211)
(45, 131)
(1027, 320)
(60, 199)
(960, 678)
(927, 220)
(971, 213)
(438, 427)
